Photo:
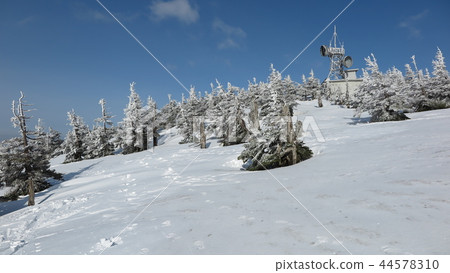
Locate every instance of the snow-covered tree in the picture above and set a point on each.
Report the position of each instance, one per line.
(276, 144)
(440, 84)
(167, 116)
(77, 139)
(413, 88)
(132, 124)
(50, 142)
(311, 86)
(100, 138)
(380, 94)
(291, 89)
(54, 142)
(225, 115)
(191, 108)
(25, 161)
(150, 123)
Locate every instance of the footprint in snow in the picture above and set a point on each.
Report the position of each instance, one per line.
(172, 236)
(128, 178)
(107, 243)
(199, 245)
(131, 227)
(145, 250)
(38, 247)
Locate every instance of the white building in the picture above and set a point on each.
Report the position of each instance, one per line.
(341, 87)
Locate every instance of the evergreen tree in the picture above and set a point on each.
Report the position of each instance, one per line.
(414, 89)
(25, 161)
(224, 113)
(50, 142)
(291, 89)
(76, 142)
(191, 108)
(311, 86)
(100, 138)
(440, 83)
(167, 117)
(150, 123)
(54, 142)
(380, 94)
(276, 145)
(132, 124)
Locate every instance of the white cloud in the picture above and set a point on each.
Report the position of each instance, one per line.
(231, 34)
(227, 29)
(227, 43)
(410, 23)
(179, 9)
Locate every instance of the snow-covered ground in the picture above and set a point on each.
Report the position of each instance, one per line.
(381, 188)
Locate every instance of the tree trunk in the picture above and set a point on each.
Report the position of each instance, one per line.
(254, 118)
(290, 135)
(155, 137)
(225, 131)
(202, 136)
(30, 192)
(144, 138)
(319, 98)
(28, 172)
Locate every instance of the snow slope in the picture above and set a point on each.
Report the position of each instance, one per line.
(378, 188)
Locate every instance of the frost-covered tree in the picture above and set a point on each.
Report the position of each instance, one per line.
(25, 161)
(77, 139)
(440, 84)
(150, 123)
(380, 94)
(11, 163)
(54, 142)
(225, 115)
(167, 116)
(50, 142)
(276, 144)
(101, 137)
(132, 125)
(291, 89)
(414, 89)
(311, 86)
(191, 108)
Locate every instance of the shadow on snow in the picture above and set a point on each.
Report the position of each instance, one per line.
(11, 206)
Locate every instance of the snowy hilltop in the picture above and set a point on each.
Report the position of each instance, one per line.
(370, 188)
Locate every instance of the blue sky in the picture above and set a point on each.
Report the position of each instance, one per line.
(69, 54)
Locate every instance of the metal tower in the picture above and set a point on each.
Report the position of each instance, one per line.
(338, 60)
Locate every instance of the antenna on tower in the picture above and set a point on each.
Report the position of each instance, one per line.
(338, 60)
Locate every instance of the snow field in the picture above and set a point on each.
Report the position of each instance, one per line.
(379, 188)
